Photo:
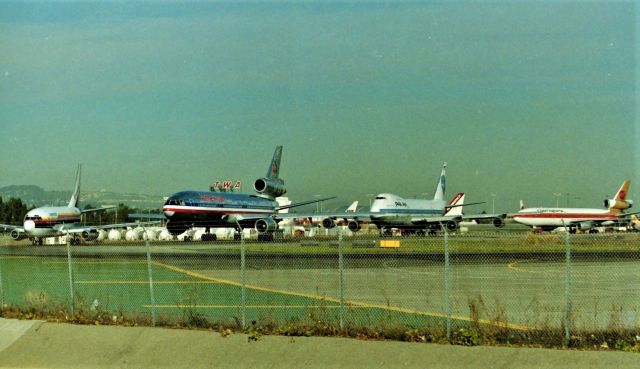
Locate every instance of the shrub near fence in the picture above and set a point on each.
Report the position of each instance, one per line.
(471, 288)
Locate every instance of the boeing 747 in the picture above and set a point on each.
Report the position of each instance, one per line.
(412, 216)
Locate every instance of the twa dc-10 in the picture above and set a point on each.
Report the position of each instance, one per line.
(53, 221)
(575, 219)
(189, 209)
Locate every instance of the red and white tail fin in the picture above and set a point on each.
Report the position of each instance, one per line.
(352, 208)
(619, 202)
(455, 205)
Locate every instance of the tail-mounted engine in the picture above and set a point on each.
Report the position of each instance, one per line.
(270, 187)
(618, 204)
(266, 225)
(17, 235)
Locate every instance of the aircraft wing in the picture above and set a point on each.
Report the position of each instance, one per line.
(107, 226)
(496, 219)
(159, 216)
(422, 220)
(332, 215)
(9, 227)
(622, 215)
(296, 204)
(98, 209)
(484, 216)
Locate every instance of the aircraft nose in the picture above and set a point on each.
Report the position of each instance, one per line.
(29, 226)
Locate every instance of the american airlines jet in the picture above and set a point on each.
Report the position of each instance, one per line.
(575, 219)
(53, 221)
(185, 210)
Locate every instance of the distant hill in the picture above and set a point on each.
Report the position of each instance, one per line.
(36, 196)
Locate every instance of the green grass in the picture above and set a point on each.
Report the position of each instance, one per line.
(495, 242)
(459, 244)
(121, 286)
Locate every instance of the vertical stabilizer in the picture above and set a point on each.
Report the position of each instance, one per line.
(73, 202)
(274, 167)
(619, 202)
(352, 208)
(621, 195)
(440, 189)
(455, 205)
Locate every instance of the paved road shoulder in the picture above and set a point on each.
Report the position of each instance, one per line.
(57, 345)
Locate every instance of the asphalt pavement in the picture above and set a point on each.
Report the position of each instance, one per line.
(38, 344)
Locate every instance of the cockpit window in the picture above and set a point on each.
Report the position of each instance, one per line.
(32, 217)
(381, 198)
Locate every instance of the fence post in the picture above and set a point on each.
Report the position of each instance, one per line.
(71, 305)
(447, 281)
(1, 288)
(243, 280)
(567, 288)
(341, 284)
(150, 272)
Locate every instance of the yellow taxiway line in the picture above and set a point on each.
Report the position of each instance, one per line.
(347, 303)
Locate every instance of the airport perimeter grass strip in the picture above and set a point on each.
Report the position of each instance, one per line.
(347, 303)
(207, 280)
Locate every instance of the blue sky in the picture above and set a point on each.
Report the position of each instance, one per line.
(522, 99)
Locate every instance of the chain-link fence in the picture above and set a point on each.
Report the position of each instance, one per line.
(465, 286)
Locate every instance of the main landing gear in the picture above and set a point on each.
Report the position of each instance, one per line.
(208, 236)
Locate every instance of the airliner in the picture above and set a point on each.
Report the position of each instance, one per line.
(317, 220)
(413, 216)
(574, 219)
(53, 221)
(189, 209)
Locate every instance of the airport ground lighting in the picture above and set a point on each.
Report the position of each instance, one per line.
(557, 195)
(493, 203)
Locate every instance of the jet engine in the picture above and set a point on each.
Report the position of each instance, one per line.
(17, 235)
(354, 226)
(270, 187)
(498, 223)
(620, 205)
(584, 226)
(328, 223)
(91, 235)
(266, 225)
(451, 225)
